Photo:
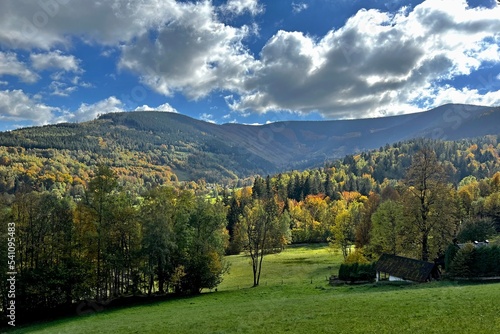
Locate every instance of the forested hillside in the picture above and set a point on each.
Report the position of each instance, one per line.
(100, 213)
(342, 197)
(157, 148)
(104, 238)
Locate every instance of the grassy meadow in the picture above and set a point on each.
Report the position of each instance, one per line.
(294, 297)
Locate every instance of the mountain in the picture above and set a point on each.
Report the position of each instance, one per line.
(194, 149)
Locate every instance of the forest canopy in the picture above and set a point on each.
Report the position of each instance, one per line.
(101, 231)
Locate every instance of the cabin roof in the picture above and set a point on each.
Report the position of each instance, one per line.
(406, 268)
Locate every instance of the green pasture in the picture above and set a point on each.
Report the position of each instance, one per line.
(294, 297)
(298, 264)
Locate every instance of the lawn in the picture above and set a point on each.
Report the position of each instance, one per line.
(299, 264)
(294, 297)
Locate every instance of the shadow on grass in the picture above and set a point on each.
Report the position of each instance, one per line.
(89, 308)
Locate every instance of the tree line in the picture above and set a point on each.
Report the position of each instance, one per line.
(112, 242)
(418, 215)
(111, 238)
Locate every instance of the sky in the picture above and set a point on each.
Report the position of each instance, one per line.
(244, 61)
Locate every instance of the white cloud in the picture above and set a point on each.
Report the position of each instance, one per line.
(16, 105)
(76, 80)
(61, 89)
(253, 124)
(55, 60)
(299, 7)
(46, 24)
(63, 83)
(376, 64)
(87, 112)
(10, 65)
(194, 54)
(447, 94)
(4, 83)
(207, 118)
(166, 107)
(239, 7)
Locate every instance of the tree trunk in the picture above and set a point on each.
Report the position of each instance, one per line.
(425, 246)
(254, 269)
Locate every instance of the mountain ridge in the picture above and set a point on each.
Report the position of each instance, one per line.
(196, 149)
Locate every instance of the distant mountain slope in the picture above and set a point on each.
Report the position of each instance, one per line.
(195, 149)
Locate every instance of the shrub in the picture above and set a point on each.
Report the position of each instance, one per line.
(462, 264)
(357, 272)
(476, 262)
(486, 261)
(449, 255)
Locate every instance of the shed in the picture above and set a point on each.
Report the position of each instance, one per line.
(405, 269)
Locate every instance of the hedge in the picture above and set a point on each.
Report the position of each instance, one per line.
(475, 262)
(357, 272)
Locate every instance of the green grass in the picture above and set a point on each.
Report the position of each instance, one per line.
(287, 302)
(298, 264)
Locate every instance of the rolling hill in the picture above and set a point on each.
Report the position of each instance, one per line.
(194, 149)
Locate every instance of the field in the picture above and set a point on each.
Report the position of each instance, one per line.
(294, 297)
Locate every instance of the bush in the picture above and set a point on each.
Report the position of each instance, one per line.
(357, 272)
(449, 255)
(462, 264)
(476, 262)
(486, 262)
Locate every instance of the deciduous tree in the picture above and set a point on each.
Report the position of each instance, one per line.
(426, 182)
(263, 232)
(387, 228)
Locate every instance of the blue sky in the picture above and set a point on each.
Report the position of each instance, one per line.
(245, 61)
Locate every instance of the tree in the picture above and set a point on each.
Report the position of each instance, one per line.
(100, 201)
(426, 187)
(476, 230)
(492, 207)
(259, 189)
(205, 263)
(468, 193)
(50, 271)
(233, 213)
(123, 243)
(263, 232)
(364, 228)
(164, 219)
(462, 263)
(346, 220)
(387, 228)
(343, 232)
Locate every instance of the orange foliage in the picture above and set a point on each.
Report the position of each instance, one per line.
(351, 196)
(473, 148)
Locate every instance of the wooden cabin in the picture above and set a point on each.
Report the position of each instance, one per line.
(400, 268)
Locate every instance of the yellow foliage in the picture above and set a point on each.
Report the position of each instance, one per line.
(356, 257)
(495, 182)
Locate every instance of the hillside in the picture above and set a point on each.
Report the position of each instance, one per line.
(194, 149)
(301, 301)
